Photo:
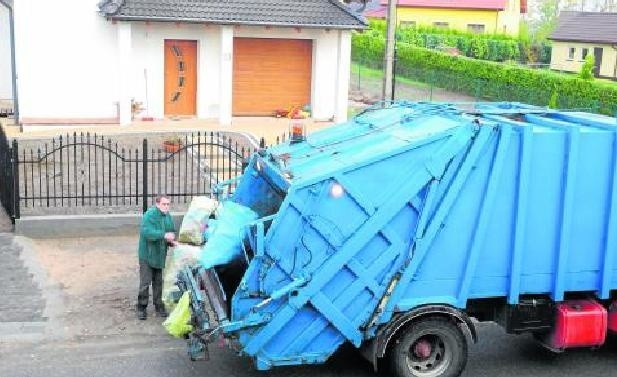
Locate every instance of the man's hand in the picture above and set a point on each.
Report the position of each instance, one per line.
(170, 237)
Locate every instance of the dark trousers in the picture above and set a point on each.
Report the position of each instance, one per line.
(150, 275)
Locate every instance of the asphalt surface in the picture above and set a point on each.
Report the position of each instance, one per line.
(53, 344)
(496, 354)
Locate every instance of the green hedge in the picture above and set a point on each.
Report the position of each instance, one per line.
(488, 80)
(493, 47)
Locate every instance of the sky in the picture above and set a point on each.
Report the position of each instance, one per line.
(586, 5)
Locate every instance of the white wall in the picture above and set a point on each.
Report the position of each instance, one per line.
(66, 60)
(6, 86)
(70, 65)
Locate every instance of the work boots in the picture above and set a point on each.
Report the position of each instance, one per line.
(161, 312)
(141, 313)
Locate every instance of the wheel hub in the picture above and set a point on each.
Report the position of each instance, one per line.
(422, 349)
(428, 356)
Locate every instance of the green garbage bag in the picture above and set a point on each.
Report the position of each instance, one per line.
(178, 322)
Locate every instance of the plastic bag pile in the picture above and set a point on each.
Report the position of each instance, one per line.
(224, 237)
(179, 257)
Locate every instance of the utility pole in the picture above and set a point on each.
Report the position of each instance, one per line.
(387, 93)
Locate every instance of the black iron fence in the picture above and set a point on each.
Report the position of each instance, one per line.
(84, 170)
(7, 177)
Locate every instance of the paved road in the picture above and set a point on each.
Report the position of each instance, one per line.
(137, 349)
(496, 354)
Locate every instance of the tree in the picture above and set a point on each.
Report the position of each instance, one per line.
(586, 72)
(547, 20)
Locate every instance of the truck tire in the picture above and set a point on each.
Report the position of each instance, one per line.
(431, 347)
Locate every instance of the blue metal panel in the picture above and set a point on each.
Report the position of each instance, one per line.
(485, 214)
(610, 248)
(566, 222)
(427, 234)
(521, 215)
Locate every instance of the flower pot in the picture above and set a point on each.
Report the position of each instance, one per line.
(171, 147)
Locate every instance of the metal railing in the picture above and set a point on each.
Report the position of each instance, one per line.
(84, 170)
(7, 176)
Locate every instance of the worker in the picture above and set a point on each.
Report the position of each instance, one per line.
(155, 236)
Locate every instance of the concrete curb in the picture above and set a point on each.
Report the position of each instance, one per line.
(82, 225)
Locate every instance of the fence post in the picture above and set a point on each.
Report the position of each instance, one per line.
(15, 174)
(144, 175)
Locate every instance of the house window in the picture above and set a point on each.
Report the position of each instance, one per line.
(408, 23)
(571, 53)
(585, 53)
(441, 25)
(476, 28)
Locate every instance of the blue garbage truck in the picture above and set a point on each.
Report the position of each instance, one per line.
(399, 230)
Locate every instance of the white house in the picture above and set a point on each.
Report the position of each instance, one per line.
(79, 61)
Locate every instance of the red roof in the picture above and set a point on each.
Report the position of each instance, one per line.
(376, 13)
(452, 4)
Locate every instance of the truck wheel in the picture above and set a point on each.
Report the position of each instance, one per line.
(432, 347)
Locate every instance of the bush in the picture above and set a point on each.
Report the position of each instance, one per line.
(488, 80)
(493, 47)
(586, 72)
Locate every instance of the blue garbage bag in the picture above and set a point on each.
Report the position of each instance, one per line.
(225, 239)
(210, 229)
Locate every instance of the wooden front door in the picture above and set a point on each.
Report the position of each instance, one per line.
(271, 74)
(180, 77)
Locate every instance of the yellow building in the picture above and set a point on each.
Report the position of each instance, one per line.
(478, 16)
(582, 33)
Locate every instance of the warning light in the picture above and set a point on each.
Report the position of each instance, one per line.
(297, 131)
(336, 191)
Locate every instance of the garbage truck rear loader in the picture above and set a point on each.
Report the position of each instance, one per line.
(392, 231)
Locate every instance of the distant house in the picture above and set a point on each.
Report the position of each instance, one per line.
(582, 33)
(96, 61)
(477, 16)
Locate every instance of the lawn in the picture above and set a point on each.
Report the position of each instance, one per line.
(368, 82)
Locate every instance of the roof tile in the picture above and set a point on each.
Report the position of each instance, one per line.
(307, 13)
(594, 27)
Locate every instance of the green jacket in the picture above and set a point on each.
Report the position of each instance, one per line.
(152, 244)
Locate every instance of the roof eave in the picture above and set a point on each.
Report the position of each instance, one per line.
(346, 9)
(455, 8)
(228, 22)
(582, 40)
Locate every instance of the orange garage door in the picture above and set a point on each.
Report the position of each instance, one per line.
(271, 74)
